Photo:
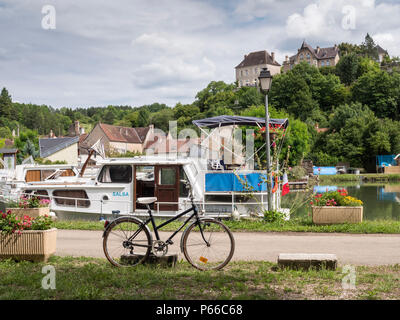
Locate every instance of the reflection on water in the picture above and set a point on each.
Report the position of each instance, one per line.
(381, 201)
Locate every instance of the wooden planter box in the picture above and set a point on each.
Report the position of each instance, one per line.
(331, 215)
(33, 245)
(31, 212)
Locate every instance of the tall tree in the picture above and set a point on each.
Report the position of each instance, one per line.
(5, 104)
(369, 48)
(348, 68)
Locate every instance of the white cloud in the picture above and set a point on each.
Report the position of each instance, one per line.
(136, 52)
(323, 20)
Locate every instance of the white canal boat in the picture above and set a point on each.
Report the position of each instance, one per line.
(119, 182)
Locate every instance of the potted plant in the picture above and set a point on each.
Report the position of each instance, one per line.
(336, 207)
(30, 206)
(26, 238)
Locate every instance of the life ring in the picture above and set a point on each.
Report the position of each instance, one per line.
(275, 184)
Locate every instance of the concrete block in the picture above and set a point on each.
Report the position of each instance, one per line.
(306, 261)
(169, 260)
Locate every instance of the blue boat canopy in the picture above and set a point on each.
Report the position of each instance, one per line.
(222, 121)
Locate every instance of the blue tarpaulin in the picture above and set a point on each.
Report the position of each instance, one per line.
(386, 160)
(324, 171)
(322, 189)
(216, 182)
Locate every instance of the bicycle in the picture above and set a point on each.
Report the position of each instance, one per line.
(206, 243)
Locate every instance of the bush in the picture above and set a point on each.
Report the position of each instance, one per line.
(10, 223)
(273, 216)
(297, 173)
(335, 198)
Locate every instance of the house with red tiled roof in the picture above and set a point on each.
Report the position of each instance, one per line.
(319, 57)
(120, 139)
(163, 145)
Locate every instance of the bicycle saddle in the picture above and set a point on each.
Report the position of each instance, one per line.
(146, 200)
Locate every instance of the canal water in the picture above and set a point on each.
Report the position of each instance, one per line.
(381, 201)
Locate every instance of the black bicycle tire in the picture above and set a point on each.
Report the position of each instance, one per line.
(185, 237)
(114, 224)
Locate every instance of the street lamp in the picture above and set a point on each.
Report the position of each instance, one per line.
(265, 81)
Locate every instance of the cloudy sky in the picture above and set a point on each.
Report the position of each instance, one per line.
(135, 52)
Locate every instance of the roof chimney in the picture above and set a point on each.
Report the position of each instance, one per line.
(273, 56)
(318, 49)
(76, 128)
(245, 56)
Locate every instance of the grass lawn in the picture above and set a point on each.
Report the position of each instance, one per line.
(357, 177)
(90, 278)
(294, 225)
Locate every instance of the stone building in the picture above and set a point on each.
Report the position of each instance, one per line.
(120, 139)
(319, 57)
(248, 70)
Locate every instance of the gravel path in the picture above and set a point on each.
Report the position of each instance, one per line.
(349, 248)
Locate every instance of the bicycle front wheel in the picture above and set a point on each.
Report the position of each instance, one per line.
(208, 245)
(127, 242)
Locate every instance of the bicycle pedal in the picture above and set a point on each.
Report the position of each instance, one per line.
(169, 242)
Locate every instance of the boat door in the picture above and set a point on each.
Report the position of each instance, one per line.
(167, 186)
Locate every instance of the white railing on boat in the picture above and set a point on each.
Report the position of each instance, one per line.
(182, 205)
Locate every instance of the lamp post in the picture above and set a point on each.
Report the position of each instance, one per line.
(265, 81)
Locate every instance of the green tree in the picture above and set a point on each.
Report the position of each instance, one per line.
(348, 68)
(143, 118)
(369, 48)
(5, 104)
(161, 119)
(380, 91)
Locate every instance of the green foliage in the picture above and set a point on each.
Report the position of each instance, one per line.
(273, 216)
(369, 48)
(5, 104)
(348, 68)
(127, 154)
(338, 198)
(380, 91)
(47, 161)
(296, 173)
(10, 223)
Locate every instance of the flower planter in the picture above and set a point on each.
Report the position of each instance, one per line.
(33, 245)
(331, 215)
(31, 212)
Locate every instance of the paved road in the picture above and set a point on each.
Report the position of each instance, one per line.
(350, 249)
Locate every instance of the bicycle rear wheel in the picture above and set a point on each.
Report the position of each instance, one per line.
(210, 248)
(127, 242)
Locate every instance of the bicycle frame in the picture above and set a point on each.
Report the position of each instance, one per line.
(156, 228)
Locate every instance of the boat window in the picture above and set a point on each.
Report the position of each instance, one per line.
(42, 193)
(70, 197)
(183, 191)
(33, 175)
(194, 170)
(167, 176)
(116, 174)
